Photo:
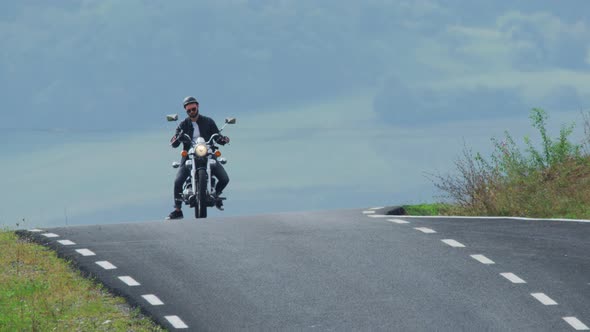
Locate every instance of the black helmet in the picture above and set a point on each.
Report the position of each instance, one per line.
(189, 100)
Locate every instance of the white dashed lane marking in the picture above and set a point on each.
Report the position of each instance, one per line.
(576, 323)
(377, 208)
(176, 322)
(453, 243)
(106, 265)
(546, 300)
(66, 242)
(513, 278)
(35, 230)
(398, 221)
(129, 281)
(482, 259)
(85, 252)
(50, 235)
(152, 299)
(541, 297)
(425, 230)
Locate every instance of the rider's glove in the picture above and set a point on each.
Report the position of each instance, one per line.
(174, 141)
(223, 140)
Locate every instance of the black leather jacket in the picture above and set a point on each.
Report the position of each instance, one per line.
(207, 128)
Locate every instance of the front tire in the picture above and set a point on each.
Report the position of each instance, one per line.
(201, 206)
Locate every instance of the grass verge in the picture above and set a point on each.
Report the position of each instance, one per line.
(41, 292)
(436, 209)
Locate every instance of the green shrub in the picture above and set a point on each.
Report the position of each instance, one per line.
(550, 182)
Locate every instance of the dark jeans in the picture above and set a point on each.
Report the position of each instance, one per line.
(184, 172)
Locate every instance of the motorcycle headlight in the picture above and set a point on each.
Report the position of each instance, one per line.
(201, 150)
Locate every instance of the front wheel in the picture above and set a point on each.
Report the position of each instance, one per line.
(201, 206)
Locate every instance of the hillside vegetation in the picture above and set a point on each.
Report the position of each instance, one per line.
(547, 180)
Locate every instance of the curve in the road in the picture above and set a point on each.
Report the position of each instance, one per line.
(544, 299)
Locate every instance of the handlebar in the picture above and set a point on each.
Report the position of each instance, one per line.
(189, 139)
(183, 137)
(212, 136)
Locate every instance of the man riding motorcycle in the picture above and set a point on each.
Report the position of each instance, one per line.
(196, 125)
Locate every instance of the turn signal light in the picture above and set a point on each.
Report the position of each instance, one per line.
(217, 153)
(184, 153)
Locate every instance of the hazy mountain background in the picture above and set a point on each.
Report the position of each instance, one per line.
(339, 103)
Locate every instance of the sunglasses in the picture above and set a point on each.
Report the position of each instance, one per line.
(194, 109)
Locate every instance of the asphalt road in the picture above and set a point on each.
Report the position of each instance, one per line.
(342, 270)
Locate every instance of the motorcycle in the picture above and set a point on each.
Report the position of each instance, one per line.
(198, 190)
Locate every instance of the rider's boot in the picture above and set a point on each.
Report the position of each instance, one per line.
(218, 201)
(176, 214)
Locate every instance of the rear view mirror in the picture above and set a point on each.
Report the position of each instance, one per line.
(230, 120)
(172, 117)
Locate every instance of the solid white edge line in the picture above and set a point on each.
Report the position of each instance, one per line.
(176, 322)
(453, 243)
(377, 208)
(398, 221)
(50, 235)
(85, 252)
(35, 230)
(494, 218)
(543, 298)
(66, 242)
(576, 323)
(129, 281)
(368, 212)
(106, 265)
(152, 299)
(378, 216)
(513, 278)
(425, 230)
(482, 259)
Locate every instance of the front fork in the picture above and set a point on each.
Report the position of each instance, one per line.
(209, 189)
(194, 176)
